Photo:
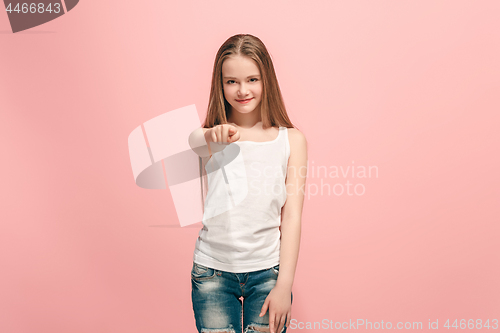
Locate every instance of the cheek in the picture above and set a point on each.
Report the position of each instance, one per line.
(229, 90)
(259, 91)
(259, 94)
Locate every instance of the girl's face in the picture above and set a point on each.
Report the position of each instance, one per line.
(242, 84)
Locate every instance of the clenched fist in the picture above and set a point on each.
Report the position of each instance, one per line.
(223, 133)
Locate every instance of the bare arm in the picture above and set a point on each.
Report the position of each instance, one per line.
(291, 213)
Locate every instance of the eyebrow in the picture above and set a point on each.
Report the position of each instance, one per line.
(230, 77)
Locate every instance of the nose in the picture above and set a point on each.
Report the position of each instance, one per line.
(243, 90)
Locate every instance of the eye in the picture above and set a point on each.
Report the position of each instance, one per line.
(229, 82)
(254, 79)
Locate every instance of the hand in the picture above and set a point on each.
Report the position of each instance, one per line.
(279, 302)
(224, 133)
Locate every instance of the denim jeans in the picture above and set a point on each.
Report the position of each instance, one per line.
(216, 299)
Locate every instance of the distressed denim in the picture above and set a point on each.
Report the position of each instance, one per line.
(216, 299)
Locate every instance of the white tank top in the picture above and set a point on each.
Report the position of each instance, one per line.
(242, 212)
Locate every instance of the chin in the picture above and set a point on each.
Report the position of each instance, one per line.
(246, 110)
(243, 108)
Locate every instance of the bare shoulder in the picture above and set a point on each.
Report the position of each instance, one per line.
(297, 140)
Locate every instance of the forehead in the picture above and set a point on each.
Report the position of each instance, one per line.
(238, 66)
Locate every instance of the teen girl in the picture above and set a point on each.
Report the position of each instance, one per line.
(246, 253)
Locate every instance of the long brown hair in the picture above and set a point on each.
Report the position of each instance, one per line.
(272, 107)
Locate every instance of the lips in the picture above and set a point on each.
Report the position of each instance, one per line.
(244, 100)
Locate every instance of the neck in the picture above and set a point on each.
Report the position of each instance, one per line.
(246, 120)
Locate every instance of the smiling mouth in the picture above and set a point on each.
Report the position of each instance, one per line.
(244, 100)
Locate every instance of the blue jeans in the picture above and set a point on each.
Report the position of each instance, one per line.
(216, 299)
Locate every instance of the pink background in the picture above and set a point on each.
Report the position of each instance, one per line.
(410, 87)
